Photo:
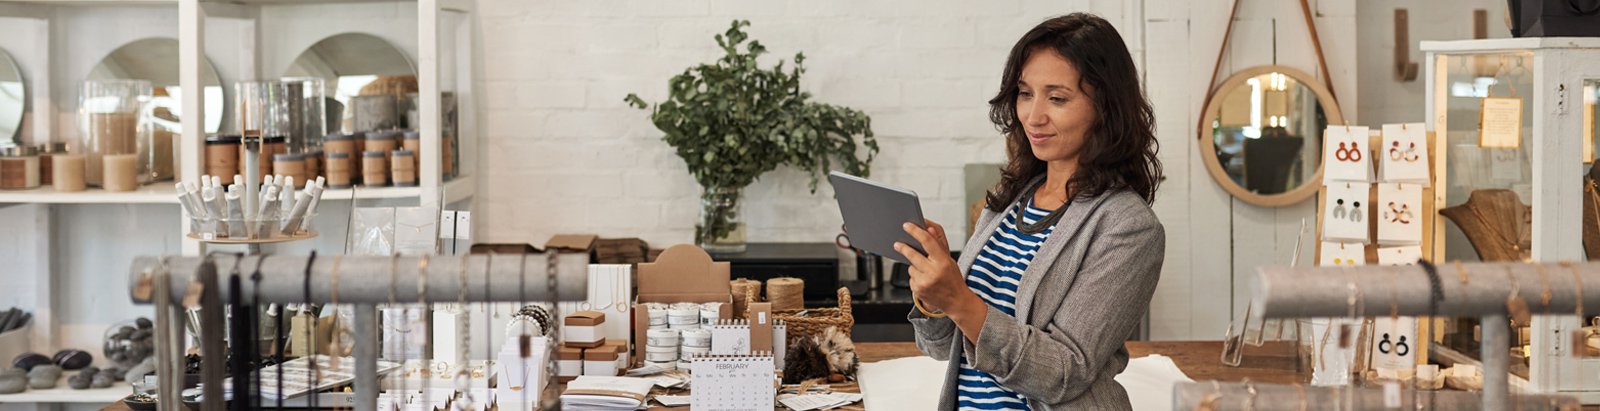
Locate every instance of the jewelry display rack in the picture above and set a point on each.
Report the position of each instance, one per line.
(366, 282)
(1484, 290)
(1215, 396)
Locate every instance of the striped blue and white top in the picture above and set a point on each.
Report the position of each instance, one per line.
(995, 275)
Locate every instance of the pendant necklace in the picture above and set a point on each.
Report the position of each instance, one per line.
(1042, 224)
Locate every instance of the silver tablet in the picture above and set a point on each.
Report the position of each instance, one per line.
(874, 212)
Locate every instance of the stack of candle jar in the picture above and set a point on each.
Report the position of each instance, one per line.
(661, 341)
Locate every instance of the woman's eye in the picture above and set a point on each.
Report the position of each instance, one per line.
(1058, 100)
(1025, 94)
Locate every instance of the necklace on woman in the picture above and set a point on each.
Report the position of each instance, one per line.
(1044, 223)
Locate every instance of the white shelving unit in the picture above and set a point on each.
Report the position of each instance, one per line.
(57, 42)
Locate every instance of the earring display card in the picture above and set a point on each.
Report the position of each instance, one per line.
(1500, 122)
(1345, 212)
(1342, 255)
(1394, 343)
(1405, 255)
(1345, 155)
(1398, 208)
(1404, 154)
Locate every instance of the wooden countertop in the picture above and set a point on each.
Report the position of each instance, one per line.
(1273, 362)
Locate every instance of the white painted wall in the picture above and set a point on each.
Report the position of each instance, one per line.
(1386, 99)
(565, 155)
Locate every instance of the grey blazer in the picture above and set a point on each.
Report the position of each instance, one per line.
(1080, 298)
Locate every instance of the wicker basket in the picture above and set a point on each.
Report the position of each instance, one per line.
(815, 321)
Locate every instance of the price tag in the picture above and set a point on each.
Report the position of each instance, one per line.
(1500, 123)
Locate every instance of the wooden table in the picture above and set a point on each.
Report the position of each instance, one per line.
(1273, 362)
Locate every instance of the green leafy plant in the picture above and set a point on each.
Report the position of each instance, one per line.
(732, 121)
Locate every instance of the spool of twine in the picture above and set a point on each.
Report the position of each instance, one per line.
(741, 288)
(786, 293)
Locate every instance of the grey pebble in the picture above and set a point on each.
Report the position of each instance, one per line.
(101, 380)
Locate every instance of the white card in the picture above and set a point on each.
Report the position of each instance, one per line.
(1345, 212)
(1342, 255)
(1399, 207)
(1345, 155)
(1403, 255)
(1505, 165)
(1404, 154)
(416, 230)
(1394, 343)
(1500, 122)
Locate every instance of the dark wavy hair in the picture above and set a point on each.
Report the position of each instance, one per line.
(1119, 150)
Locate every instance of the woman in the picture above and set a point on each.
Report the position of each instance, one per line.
(1039, 306)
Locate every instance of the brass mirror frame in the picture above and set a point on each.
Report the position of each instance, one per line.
(1208, 148)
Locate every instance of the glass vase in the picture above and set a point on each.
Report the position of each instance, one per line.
(114, 132)
(721, 226)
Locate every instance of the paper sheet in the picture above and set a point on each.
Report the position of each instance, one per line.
(1152, 378)
(903, 383)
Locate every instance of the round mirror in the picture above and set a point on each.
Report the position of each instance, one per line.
(156, 60)
(13, 101)
(1261, 134)
(356, 64)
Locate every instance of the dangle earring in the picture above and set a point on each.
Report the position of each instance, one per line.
(1356, 214)
(1338, 211)
(1355, 152)
(1342, 154)
(1383, 345)
(1411, 155)
(1394, 152)
(1400, 348)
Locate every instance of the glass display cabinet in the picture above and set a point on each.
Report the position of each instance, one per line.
(1514, 119)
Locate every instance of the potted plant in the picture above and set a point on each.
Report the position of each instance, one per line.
(732, 121)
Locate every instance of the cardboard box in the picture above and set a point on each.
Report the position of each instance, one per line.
(573, 243)
(605, 360)
(569, 363)
(582, 329)
(682, 274)
(622, 351)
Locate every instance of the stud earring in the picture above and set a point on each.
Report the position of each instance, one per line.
(1338, 211)
(1355, 212)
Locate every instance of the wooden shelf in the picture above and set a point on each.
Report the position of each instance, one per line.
(455, 190)
(163, 193)
(154, 193)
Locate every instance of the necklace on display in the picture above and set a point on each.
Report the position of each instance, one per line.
(1509, 240)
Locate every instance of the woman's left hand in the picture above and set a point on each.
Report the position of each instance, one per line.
(935, 278)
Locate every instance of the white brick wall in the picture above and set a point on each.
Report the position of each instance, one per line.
(584, 162)
(566, 155)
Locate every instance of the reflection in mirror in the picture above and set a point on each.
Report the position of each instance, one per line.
(13, 101)
(1267, 133)
(156, 60)
(357, 64)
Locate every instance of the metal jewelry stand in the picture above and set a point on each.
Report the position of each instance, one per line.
(1466, 290)
(366, 282)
